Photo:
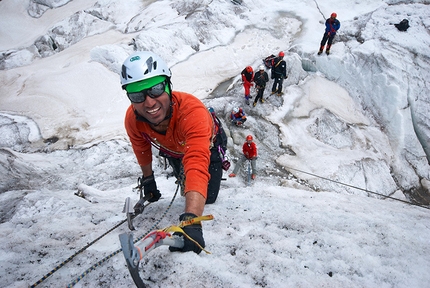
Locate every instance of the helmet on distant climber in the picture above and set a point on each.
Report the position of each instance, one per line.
(281, 54)
(236, 110)
(261, 67)
(249, 138)
(248, 69)
(333, 15)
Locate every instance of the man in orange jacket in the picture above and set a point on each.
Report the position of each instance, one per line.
(249, 150)
(181, 128)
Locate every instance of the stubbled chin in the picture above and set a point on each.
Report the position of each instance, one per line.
(155, 118)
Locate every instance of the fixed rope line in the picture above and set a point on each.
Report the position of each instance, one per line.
(74, 282)
(76, 253)
(318, 7)
(162, 216)
(358, 188)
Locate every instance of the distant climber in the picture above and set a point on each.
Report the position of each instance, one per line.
(131, 43)
(278, 73)
(260, 79)
(247, 79)
(237, 116)
(331, 27)
(249, 150)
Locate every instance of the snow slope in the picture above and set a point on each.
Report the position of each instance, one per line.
(358, 117)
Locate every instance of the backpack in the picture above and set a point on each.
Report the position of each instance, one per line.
(268, 61)
(220, 139)
(403, 25)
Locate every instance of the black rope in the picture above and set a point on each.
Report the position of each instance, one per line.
(46, 276)
(74, 282)
(76, 253)
(318, 7)
(358, 188)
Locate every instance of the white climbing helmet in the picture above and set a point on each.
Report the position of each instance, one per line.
(141, 66)
(236, 110)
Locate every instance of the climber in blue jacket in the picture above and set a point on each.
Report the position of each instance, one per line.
(331, 27)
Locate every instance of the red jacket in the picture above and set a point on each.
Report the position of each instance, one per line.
(247, 76)
(249, 150)
(189, 136)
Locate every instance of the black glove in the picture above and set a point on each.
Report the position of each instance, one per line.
(150, 188)
(194, 231)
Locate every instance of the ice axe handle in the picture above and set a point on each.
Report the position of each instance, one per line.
(148, 244)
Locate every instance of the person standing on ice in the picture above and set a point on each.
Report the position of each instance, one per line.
(260, 79)
(247, 78)
(278, 73)
(180, 126)
(331, 27)
(249, 150)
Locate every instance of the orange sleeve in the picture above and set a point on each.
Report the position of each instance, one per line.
(141, 147)
(196, 124)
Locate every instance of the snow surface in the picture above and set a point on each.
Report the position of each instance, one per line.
(358, 117)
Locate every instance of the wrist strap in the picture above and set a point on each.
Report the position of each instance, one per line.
(195, 220)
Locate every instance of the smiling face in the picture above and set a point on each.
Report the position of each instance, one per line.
(154, 110)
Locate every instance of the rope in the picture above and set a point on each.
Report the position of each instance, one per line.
(74, 282)
(159, 220)
(76, 253)
(358, 188)
(319, 9)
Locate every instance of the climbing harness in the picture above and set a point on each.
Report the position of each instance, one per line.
(161, 148)
(225, 161)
